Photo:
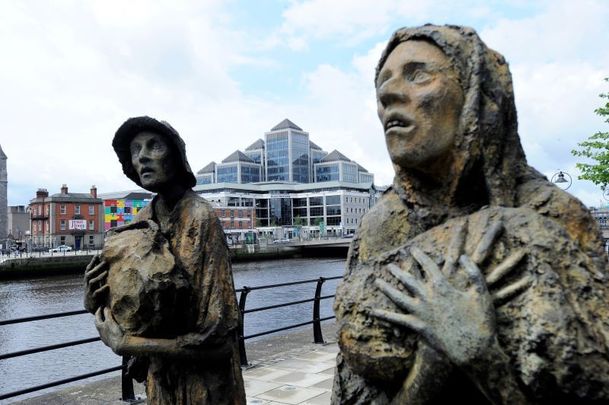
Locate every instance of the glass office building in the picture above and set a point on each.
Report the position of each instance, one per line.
(286, 154)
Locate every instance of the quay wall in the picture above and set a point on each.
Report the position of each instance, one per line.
(30, 267)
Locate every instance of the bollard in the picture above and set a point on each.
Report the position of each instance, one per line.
(317, 335)
(242, 299)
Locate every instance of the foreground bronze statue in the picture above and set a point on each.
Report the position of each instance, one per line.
(473, 279)
(162, 289)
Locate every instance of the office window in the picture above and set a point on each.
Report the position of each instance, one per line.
(77, 209)
(62, 209)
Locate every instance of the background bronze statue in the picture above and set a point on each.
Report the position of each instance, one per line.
(162, 290)
(474, 278)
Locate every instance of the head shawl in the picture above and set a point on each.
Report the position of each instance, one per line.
(133, 126)
(487, 143)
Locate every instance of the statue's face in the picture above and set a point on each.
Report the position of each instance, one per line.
(419, 104)
(153, 159)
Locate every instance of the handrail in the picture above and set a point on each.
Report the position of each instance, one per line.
(127, 384)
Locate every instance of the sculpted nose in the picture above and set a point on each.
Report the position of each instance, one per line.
(390, 92)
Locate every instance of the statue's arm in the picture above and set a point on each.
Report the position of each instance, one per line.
(188, 346)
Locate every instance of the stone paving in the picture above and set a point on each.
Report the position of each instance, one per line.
(300, 377)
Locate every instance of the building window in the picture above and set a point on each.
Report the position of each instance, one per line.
(127, 210)
(46, 210)
(62, 240)
(46, 226)
(40, 210)
(62, 225)
(91, 209)
(77, 209)
(91, 225)
(62, 209)
(39, 226)
(112, 223)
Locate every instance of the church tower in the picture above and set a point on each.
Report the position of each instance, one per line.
(3, 197)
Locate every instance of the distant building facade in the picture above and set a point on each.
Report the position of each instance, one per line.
(120, 208)
(601, 215)
(73, 219)
(286, 154)
(287, 210)
(18, 222)
(3, 198)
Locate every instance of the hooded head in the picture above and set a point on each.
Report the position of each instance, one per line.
(134, 126)
(485, 148)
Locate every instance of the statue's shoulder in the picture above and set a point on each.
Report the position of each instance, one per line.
(384, 227)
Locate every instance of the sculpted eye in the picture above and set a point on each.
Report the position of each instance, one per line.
(419, 77)
(135, 149)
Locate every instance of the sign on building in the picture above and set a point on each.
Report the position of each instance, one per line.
(78, 224)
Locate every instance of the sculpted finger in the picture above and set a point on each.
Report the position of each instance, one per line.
(407, 279)
(503, 295)
(99, 277)
(505, 267)
(94, 272)
(99, 317)
(430, 267)
(92, 263)
(454, 250)
(100, 291)
(484, 246)
(398, 297)
(474, 273)
(408, 321)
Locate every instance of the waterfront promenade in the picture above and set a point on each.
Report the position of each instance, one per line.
(284, 369)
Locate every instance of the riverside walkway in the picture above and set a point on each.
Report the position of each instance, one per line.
(284, 369)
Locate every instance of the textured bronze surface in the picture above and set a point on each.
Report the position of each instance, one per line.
(473, 279)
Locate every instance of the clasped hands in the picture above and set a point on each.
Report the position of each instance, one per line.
(457, 321)
(96, 295)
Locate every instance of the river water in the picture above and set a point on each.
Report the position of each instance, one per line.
(24, 298)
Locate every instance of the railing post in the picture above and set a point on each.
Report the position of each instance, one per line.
(242, 299)
(127, 393)
(317, 335)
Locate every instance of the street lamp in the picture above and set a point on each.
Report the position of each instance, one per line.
(562, 180)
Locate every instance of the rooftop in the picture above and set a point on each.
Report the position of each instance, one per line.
(259, 144)
(237, 156)
(285, 124)
(335, 156)
(210, 168)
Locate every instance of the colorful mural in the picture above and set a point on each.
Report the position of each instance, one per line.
(121, 211)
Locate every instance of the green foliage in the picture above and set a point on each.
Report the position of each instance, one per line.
(298, 221)
(596, 148)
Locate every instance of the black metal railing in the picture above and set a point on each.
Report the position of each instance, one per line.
(126, 382)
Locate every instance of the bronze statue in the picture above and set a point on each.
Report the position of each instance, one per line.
(473, 279)
(162, 289)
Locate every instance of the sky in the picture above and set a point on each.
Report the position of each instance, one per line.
(225, 72)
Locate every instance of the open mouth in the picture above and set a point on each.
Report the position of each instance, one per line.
(397, 122)
(146, 170)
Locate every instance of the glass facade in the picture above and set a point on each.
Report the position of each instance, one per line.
(327, 172)
(280, 210)
(277, 162)
(205, 178)
(349, 172)
(300, 158)
(250, 173)
(227, 173)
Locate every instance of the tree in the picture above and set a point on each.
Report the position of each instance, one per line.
(596, 147)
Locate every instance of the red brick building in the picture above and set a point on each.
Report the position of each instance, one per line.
(236, 222)
(73, 219)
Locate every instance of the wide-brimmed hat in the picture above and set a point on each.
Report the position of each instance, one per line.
(133, 126)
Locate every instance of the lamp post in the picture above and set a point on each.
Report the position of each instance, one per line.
(562, 180)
